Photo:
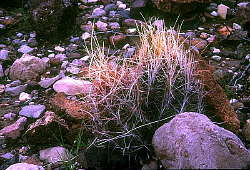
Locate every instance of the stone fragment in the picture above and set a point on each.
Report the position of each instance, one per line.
(55, 154)
(4, 54)
(46, 83)
(9, 116)
(24, 96)
(14, 130)
(86, 36)
(246, 130)
(15, 91)
(192, 141)
(59, 49)
(32, 111)
(101, 26)
(216, 58)
(25, 49)
(98, 12)
(71, 86)
(27, 68)
(222, 11)
(24, 166)
(1, 71)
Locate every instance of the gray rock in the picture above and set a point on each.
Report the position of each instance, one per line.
(7, 156)
(55, 154)
(192, 141)
(9, 116)
(4, 55)
(109, 7)
(46, 83)
(1, 71)
(98, 12)
(24, 166)
(25, 49)
(27, 68)
(15, 91)
(32, 111)
(14, 130)
(216, 58)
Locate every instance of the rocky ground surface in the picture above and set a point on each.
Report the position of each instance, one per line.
(35, 66)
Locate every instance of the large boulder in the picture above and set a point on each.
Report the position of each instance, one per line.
(27, 68)
(191, 140)
(53, 20)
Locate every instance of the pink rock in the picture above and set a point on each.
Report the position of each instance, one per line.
(14, 130)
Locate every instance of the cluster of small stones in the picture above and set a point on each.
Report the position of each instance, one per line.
(44, 70)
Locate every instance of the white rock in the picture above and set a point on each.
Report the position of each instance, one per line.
(236, 26)
(73, 70)
(85, 58)
(25, 49)
(216, 58)
(214, 13)
(24, 166)
(55, 154)
(222, 11)
(24, 96)
(216, 50)
(7, 155)
(85, 36)
(70, 86)
(51, 55)
(4, 55)
(243, 4)
(122, 6)
(59, 49)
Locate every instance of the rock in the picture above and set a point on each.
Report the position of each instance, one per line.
(109, 7)
(24, 96)
(7, 156)
(14, 130)
(1, 71)
(122, 6)
(236, 26)
(152, 165)
(70, 86)
(9, 116)
(59, 49)
(159, 24)
(46, 83)
(214, 13)
(129, 52)
(101, 26)
(2, 88)
(117, 39)
(98, 12)
(114, 25)
(86, 36)
(32, 111)
(25, 49)
(180, 6)
(138, 7)
(192, 141)
(61, 57)
(25, 166)
(246, 130)
(32, 42)
(222, 11)
(216, 58)
(216, 51)
(54, 154)
(4, 55)
(73, 69)
(243, 13)
(15, 91)
(27, 68)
